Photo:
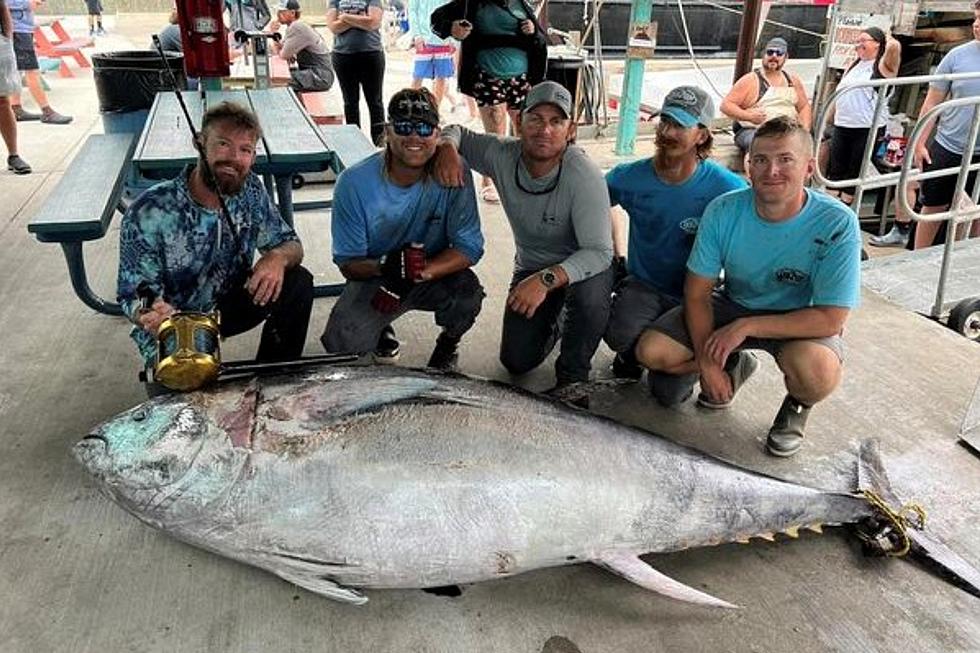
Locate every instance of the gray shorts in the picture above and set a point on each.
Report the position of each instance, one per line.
(672, 324)
(635, 309)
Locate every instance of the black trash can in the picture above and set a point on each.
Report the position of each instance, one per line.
(565, 69)
(126, 83)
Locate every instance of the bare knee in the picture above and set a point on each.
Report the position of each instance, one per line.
(811, 371)
(659, 352)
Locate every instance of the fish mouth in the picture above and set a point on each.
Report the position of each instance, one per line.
(92, 451)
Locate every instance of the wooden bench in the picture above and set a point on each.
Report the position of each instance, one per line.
(62, 45)
(318, 105)
(348, 144)
(82, 204)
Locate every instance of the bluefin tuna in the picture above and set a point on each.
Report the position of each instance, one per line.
(347, 478)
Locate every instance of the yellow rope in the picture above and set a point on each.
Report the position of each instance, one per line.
(910, 515)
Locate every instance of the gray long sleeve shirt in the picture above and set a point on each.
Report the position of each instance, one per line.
(568, 226)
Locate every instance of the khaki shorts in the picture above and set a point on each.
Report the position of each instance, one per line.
(672, 324)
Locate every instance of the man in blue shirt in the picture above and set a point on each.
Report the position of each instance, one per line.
(665, 197)
(404, 242)
(791, 262)
(179, 246)
(22, 12)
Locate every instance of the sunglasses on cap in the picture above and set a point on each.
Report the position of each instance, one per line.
(775, 52)
(406, 127)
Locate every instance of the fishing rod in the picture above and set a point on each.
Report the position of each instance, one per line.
(206, 171)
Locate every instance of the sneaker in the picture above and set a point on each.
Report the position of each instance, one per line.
(671, 390)
(625, 366)
(18, 165)
(24, 116)
(571, 393)
(91, 32)
(740, 366)
(52, 117)
(445, 355)
(786, 433)
(894, 238)
(388, 348)
(100, 31)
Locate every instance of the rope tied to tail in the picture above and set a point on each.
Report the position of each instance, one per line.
(910, 515)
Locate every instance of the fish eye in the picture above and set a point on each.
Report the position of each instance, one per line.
(139, 415)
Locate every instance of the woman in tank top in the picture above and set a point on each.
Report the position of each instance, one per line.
(878, 56)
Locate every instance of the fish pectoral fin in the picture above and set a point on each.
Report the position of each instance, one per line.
(323, 586)
(312, 574)
(630, 567)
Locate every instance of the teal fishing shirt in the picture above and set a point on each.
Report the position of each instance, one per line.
(185, 253)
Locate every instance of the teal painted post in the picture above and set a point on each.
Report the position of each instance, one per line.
(629, 101)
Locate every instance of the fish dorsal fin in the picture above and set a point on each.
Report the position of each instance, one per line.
(630, 567)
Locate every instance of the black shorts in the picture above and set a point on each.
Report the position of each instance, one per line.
(939, 191)
(490, 91)
(94, 7)
(24, 51)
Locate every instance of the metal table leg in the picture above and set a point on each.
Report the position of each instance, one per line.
(79, 281)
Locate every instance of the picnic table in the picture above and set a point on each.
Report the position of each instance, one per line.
(291, 143)
(85, 200)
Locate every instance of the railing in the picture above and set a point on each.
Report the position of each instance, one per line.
(869, 178)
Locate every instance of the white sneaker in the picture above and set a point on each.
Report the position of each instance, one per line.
(894, 238)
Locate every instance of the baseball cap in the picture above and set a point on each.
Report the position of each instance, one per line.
(689, 106)
(549, 92)
(778, 43)
(288, 5)
(413, 104)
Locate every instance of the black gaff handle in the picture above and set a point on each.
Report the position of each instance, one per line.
(205, 168)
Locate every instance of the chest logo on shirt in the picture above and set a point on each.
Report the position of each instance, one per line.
(791, 276)
(690, 225)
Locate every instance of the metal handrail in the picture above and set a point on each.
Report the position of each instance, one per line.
(901, 179)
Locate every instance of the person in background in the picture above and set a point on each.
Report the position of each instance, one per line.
(952, 129)
(303, 45)
(765, 93)
(9, 83)
(22, 12)
(248, 15)
(433, 55)
(170, 35)
(503, 54)
(878, 56)
(94, 17)
(359, 59)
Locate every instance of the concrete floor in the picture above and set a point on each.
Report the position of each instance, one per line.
(78, 574)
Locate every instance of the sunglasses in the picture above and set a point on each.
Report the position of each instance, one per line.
(406, 127)
(774, 53)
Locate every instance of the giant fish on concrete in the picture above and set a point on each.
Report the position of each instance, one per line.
(378, 477)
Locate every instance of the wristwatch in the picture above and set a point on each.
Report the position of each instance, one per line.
(548, 278)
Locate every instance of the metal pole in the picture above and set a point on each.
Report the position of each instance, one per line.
(869, 145)
(629, 101)
(747, 38)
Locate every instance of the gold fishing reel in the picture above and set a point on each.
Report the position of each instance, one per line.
(188, 350)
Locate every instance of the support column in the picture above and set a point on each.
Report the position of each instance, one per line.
(629, 100)
(747, 36)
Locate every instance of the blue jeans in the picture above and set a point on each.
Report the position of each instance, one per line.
(577, 314)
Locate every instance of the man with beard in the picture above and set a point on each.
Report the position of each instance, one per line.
(791, 260)
(664, 197)
(179, 246)
(404, 242)
(765, 93)
(556, 201)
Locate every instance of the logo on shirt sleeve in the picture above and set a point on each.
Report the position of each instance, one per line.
(791, 276)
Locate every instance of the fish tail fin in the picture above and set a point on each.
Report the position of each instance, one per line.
(899, 528)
